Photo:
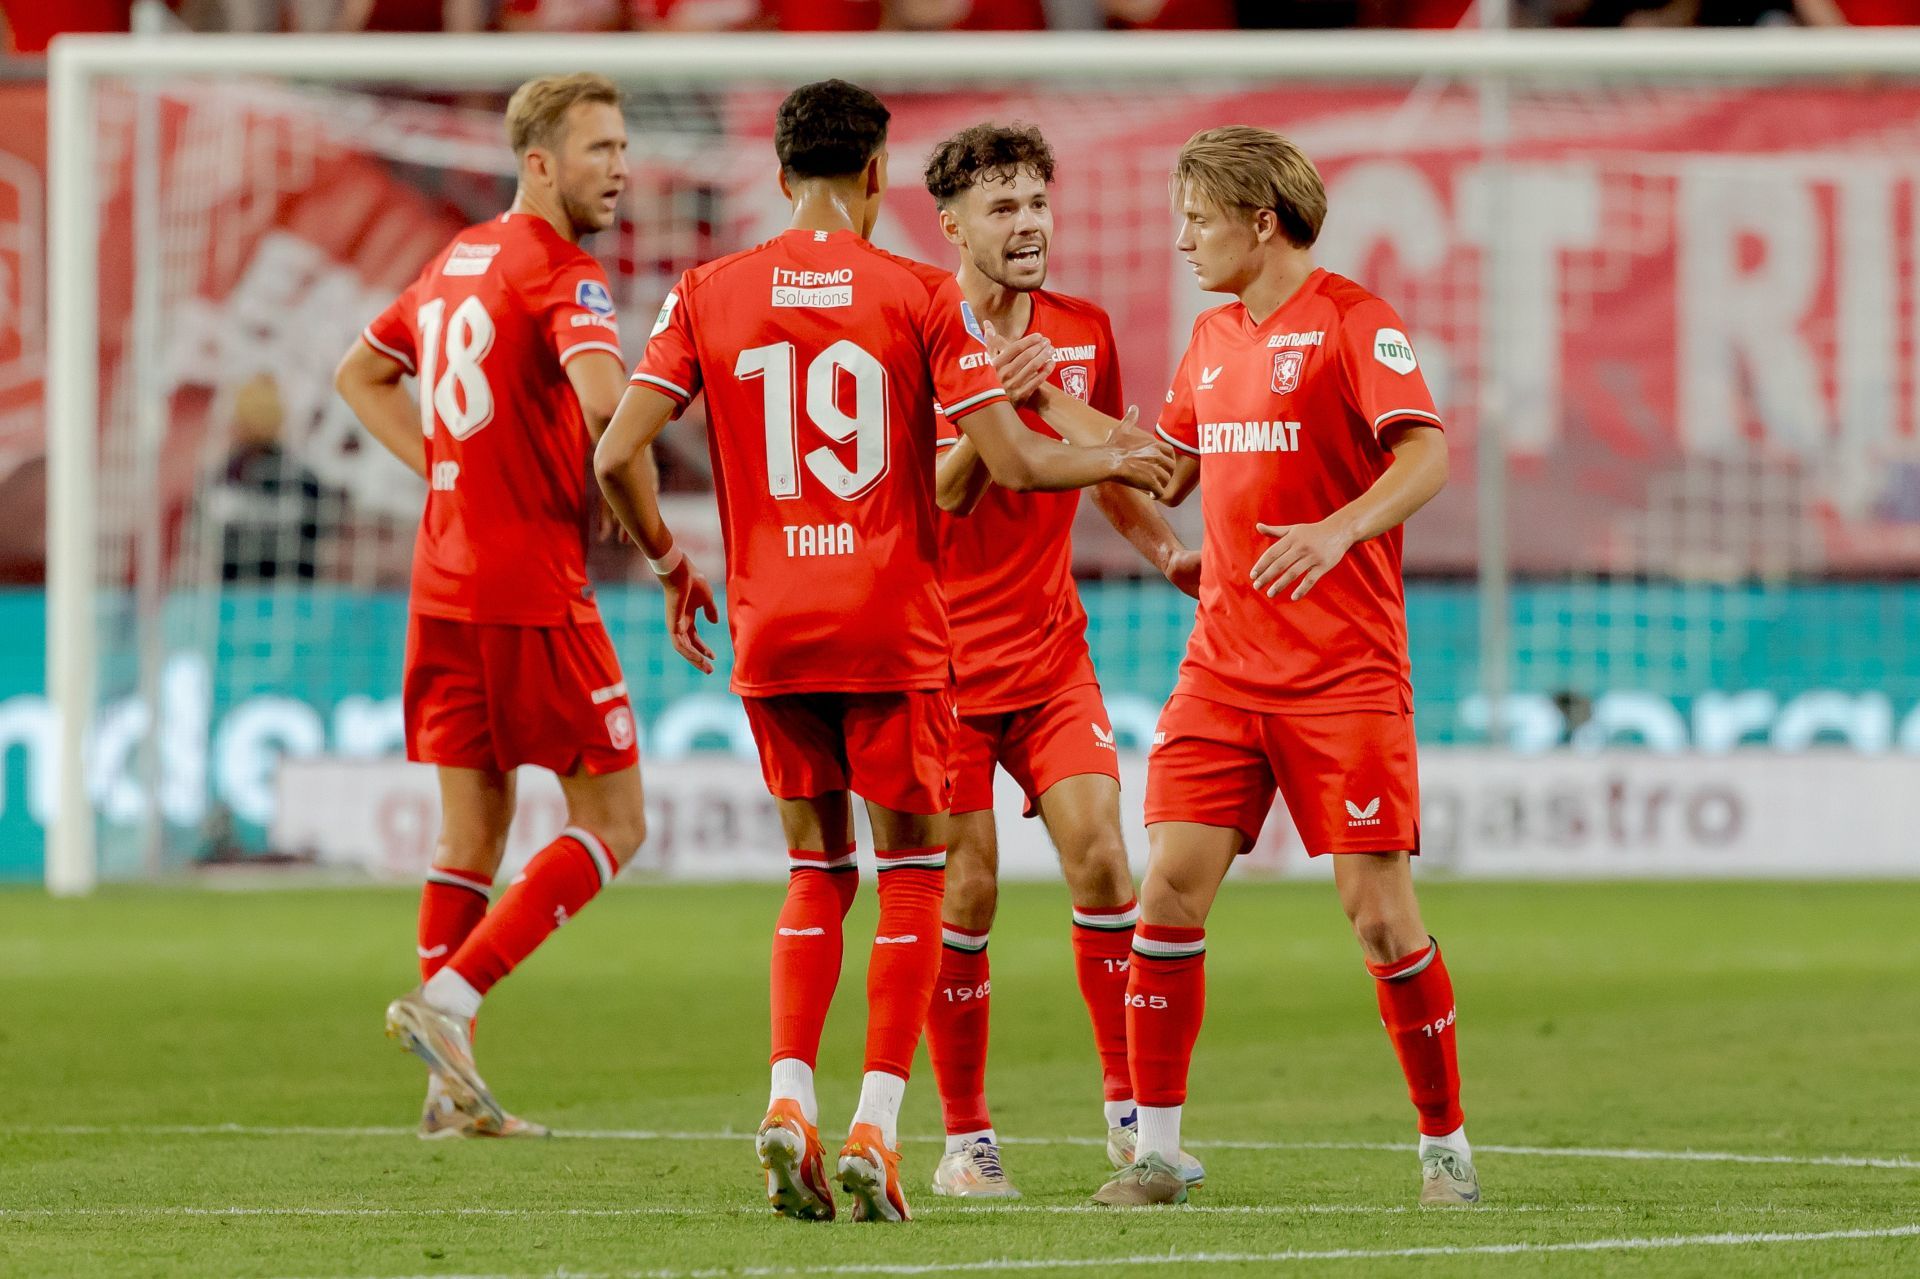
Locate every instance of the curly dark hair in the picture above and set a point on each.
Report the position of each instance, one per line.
(829, 129)
(986, 153)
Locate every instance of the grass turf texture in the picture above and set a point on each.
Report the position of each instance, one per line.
(1775, 1020)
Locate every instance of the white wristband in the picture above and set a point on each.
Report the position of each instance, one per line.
(666, 563)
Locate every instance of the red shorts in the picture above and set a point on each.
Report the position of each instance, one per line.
(890, 748)
(1349, 778)
(1064, 736)
(495, 697)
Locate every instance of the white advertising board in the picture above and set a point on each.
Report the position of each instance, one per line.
(1483, 813)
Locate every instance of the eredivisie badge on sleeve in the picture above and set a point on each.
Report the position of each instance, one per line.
(1286, 370)
(1073, 380)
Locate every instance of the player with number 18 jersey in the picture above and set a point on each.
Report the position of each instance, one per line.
(502, 611)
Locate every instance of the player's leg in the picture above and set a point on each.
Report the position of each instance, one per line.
(556, 700)
(1209, 786)
(800, 757)
(808, 945)
(898, 754)
(1063, 756)
(1415, 994)
(910, 853)
(476, 812)
(1353, 788)
(957, 1021)
(553, 698)
(606, 822)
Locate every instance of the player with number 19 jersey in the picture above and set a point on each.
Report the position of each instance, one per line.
(507, 660)
(823, 359)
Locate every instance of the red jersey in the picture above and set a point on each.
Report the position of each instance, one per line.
(1293, 410)
(822, 358)
(1019, 631)
(489, 325)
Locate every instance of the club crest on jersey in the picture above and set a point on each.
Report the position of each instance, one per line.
(594, 296)
(1286, 370)
(972, 322)
(1073, 380)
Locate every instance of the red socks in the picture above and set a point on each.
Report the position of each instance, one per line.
(452, 904)
(1416, 1003)
(1166, 999)
(807, 948)
(957, 1030)
(906, 955)
(1102, 942)
(561, 878)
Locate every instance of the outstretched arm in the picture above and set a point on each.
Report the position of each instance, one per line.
(623, 463)
(369, 381)
(1133, 514)
(1026, 461)
(1079, 421)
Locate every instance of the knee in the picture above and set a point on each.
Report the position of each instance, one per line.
(1384, 934)
(476, 850)
(623, 834)
(972, 896)
(1165, 899)
(1096, 869)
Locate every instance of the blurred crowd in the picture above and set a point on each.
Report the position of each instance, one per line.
(30, 24)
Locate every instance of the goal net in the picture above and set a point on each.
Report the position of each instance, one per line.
(1664, 291)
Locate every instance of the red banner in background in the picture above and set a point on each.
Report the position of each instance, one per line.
(1705, 334)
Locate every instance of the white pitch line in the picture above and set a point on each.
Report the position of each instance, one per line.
(1011, 1264)
(650, 1210)
(643, 1134)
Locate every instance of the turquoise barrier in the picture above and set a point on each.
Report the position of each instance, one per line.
(253, 674)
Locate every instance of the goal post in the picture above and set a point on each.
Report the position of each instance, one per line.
(1573, 71)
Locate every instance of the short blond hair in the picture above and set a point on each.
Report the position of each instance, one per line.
(1241, 167)
(537, 112)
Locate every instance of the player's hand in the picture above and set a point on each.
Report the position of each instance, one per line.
(688, 596)
(1023, 364)
(1300, 552)
(1183, 570)
(1128, 434)
(1140, 461)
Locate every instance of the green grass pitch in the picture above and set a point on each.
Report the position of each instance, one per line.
(1773, 1021)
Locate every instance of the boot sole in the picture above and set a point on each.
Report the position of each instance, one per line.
(867, 1185)
(783, 1155)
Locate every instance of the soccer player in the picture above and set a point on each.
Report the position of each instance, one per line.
(822, 358)
(1300, 411)
(511, 332)
(1024, 681)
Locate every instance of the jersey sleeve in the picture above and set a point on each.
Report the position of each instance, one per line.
(391, 333)
(579, 315)
(1107, 395)
(1177, 425)
(1383, 380)
(670, 364)
(964, 380)
(945, 433)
